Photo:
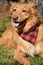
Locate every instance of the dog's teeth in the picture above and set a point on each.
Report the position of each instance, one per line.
(16, 24)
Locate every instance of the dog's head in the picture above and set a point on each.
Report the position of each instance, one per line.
(21, 14)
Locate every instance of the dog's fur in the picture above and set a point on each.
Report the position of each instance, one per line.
(26, 13)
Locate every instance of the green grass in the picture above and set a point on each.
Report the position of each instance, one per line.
(6, 57)
(6, 54)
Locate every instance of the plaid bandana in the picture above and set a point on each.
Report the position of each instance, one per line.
(31, 35)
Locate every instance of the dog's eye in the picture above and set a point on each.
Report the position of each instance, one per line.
(23, 10)
(14, 10)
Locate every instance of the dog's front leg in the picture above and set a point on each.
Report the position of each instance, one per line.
(20, 56)
(26, 47)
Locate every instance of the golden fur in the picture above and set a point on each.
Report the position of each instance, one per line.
(11, 38)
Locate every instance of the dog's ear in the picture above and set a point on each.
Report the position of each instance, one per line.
(34, 11)
(9, 16)
(11, 3)
(11, 8)
(33, 4)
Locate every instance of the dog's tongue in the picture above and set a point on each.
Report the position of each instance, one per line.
(16, 24)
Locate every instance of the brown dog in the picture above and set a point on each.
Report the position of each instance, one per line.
(24, 16)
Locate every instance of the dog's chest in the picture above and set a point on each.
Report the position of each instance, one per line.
(31, 35)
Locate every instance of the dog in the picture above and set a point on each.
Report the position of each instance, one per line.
(26, 30)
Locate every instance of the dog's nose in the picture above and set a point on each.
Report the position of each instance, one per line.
(15, 18)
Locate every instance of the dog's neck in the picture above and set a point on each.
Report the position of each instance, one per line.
(31, 35)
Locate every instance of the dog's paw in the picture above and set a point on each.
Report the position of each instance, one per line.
(32, 51)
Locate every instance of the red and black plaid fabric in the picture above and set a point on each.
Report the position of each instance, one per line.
(31, 35)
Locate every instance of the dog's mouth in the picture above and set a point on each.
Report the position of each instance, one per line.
(18, 24)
